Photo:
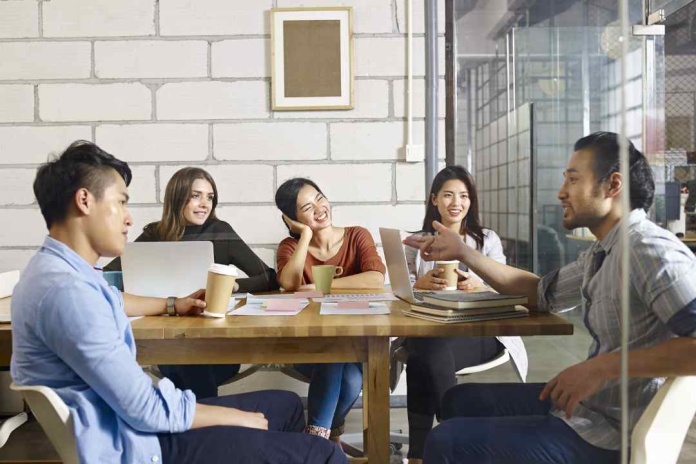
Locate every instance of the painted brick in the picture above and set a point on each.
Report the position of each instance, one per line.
(151, 59)
(17, 103)
(19, 19)
(369, 16)
(155, 142)
(235, 183)
(44, 60)
(98, 18)
(100, 102)
(32, 145)
(418, 16)
(372, 217)
(142, 216)
(22, 227)
(418, 98)
(15, 259)
(377, 56)
(214, 17)
(370, 100)
(241, 58)
(270, 141)
(345, 182)
(410, 182)
(255, 224)
(367, 140)
(17, 186)
(142, 186)
(212, 100)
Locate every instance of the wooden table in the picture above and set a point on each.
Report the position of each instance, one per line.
(309, 337)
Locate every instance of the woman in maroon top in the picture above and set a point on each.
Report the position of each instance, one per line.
(315, 240)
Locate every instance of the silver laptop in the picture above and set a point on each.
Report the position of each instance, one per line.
(165, 269)
(398, 269)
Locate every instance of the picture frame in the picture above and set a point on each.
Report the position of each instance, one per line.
(311, 59)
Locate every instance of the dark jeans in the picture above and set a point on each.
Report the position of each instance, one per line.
(430, 372)
(281, 444)
(506, 423)
(203, 380)
(333, 389)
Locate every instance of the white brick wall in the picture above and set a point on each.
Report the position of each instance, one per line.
(32, 145)
(263, 141)
(154, 142)
(163, 85)
(19, 19)
(90, 102)
(239, 183)
(142, 59)
(345, 182)
(17, 186)
(214, 17)
(241, 58)
(369, 16)
(98, 18)
(213, 100)
(16, 103)
(44, 60)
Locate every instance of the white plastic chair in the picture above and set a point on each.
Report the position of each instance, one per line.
(659, 434)
(54, 417)
(501, 359)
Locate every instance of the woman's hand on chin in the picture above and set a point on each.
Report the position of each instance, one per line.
(297, 227)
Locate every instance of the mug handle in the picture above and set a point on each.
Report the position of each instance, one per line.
(338, 271)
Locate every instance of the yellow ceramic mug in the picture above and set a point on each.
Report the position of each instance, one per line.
(323, 276)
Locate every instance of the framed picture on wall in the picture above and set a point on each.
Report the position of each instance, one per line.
(312, 59)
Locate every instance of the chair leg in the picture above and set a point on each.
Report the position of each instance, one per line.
(10, 425)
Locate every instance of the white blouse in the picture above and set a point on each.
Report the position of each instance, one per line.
(493, 248)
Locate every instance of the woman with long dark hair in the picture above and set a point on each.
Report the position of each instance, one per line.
(432, 362)
(188, 214)
(314, 240)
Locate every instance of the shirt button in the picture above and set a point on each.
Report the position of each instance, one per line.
(154, 459)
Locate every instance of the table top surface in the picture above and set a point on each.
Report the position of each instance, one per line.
(309, 323)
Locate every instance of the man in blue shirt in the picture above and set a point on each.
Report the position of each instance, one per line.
(71, 333)
(576, 416)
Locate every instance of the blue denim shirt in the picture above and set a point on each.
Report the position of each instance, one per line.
(70, 333)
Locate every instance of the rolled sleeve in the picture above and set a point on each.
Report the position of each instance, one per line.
(80, 326)
(559, 290)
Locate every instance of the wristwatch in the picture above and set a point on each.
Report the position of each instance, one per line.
(171, 309)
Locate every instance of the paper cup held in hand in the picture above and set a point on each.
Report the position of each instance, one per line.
(449, 273)
(218, 289)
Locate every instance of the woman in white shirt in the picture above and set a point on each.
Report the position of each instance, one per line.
(433, 362)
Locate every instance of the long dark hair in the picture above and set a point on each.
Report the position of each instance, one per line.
(286, 198)
(471, 225)
(176, 196)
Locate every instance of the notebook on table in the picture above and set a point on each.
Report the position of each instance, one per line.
(474, 300)
(164, 269)
(401, 286)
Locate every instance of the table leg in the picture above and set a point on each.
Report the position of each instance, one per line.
(376, 394)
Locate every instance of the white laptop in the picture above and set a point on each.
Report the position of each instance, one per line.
(165, 269)
(398, 269)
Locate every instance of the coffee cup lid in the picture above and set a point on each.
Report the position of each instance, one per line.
(222, 269)
(454, 261)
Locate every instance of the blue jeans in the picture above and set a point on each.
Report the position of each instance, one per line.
(333, 389)
(506, 423)
(281, 443)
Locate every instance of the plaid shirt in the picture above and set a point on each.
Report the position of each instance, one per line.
(663, 306)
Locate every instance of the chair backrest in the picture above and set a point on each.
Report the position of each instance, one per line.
(54, 417)
(659, 434)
